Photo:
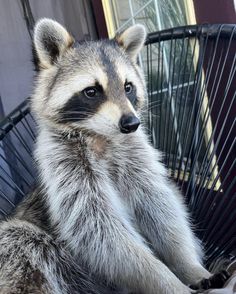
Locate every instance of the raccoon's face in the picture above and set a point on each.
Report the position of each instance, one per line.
(96, 86)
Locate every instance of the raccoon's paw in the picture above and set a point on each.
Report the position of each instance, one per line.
(216, 281)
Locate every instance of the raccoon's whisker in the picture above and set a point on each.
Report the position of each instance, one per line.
(106, 121)
(154, 102)
(157, 103)
(150, 108)
(84, 118)
(76, 115)
(77, 112)
(145, 115)
(66, 119)
(152, 105)
(147, 111)
(155, 115)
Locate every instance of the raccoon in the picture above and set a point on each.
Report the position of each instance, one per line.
(105, 215)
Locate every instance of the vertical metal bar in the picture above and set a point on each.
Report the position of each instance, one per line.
(161, 98)
(168, 114)
(182, 129)
(169, 143)
(160, 102)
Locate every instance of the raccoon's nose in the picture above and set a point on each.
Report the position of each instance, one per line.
(129, 123)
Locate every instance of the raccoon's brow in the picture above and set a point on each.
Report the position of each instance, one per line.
(96, 84)
(99, 86)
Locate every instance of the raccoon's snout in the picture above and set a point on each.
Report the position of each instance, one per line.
(129, 123)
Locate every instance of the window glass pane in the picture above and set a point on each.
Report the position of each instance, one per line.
(154, 14)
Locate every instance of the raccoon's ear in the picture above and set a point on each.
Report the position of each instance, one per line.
(132, 40)
(50, 41)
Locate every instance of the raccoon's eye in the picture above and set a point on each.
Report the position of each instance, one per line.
(90, 92)
(128, 88)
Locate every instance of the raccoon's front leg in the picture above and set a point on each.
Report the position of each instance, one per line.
(162, 219)
(112, 249)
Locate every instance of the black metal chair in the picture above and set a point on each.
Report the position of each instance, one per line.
(190, 117)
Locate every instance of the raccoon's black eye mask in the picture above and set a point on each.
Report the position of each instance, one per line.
(83, 104)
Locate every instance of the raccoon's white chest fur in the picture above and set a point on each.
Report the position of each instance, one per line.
(74, 172)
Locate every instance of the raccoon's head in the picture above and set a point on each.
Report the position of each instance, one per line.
(95, 85)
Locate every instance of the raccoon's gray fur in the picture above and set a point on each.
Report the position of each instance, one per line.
(105, 210)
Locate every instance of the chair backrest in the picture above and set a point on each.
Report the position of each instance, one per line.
(17, 169)
(191, 116)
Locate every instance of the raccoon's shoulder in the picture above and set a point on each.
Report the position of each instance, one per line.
(34, 209)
